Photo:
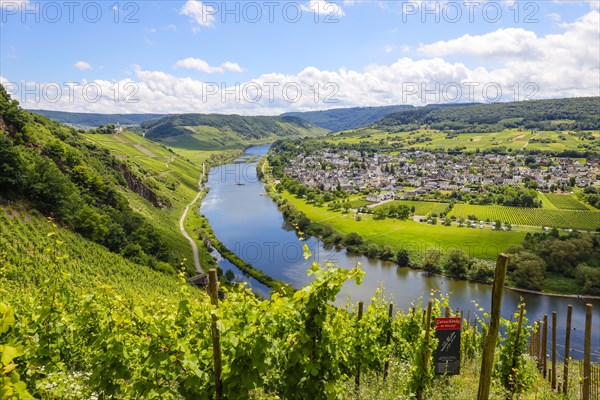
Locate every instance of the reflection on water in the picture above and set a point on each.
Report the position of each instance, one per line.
(249, 224)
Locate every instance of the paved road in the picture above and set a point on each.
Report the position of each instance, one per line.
(182, 219)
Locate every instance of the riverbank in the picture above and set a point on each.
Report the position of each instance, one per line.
(204, 231)
(183, 217)
(204, 235)
(327, 228)
(203, 260)
(566, 296)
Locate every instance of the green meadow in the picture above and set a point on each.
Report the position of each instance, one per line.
(413, 236)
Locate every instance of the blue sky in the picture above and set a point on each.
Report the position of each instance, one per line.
(375, 53)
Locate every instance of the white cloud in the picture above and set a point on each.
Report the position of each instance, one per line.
(203, 66)
(502, 43)
(388, 48)
(577, 46)
(231, 66)
(82, 65)
(201, 14)
(554, 16)
(559, 65)
(323, 7)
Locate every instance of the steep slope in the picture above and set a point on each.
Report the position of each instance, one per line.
(124, 203)
(339, 119)
(217, 131)
(82, 321)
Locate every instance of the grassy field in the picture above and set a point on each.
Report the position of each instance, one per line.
(585, 220)
(431, 139)
(414, 236)
(565, 202)
(546, 203)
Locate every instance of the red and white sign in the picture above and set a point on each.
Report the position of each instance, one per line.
(447, 324)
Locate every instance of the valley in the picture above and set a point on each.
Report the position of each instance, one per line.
(300, 200)
(231, 196)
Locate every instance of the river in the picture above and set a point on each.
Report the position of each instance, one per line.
(248, 222)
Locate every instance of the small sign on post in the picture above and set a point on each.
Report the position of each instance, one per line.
(447, 354)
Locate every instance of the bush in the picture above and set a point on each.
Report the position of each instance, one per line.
(402, 258)
(481, 270)
(353, 239)
(528, 270)
(589, 278)
(431, 261)
(457, 263)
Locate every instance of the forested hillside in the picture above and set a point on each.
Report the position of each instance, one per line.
(339, 119)
(216, 131)
(555, 114)
(53, 170)
(93, 120)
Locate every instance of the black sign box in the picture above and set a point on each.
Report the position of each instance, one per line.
(447, 354)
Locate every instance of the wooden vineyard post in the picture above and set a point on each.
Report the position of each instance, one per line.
(357, 377)
(544, 346)
(567, 349)
(388, 340)
(538, 340)
(447, 312)
(553, 349)
(426, 353)
(489, 345)
(587, 349)
(516, 345)
(213, 288)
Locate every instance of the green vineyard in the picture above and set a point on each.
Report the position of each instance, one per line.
(565, 202)
(83, 323)
(583, 220)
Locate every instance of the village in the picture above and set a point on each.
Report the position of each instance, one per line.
(413, 172)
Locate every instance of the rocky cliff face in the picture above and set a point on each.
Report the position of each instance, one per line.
(135, 184)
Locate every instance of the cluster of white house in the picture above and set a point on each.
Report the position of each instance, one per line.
(348, 170)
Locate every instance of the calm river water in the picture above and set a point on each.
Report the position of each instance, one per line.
(247, 221)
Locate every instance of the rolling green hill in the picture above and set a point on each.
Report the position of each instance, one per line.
(217, 131)
(128, 200)
(556, 114)
(339, 119)
(92, 120)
